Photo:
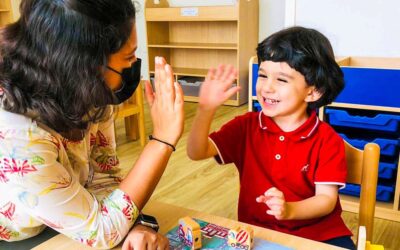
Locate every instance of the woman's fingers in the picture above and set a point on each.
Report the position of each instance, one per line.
(157, 75)
(168, 85)
(148, 89)
(178, 95)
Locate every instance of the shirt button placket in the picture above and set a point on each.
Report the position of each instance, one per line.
(278, 156)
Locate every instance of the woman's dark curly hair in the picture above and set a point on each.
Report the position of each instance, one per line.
(310, 53)
(52, 59)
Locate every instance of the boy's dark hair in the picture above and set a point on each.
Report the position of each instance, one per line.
(51, 59)
(310, 53)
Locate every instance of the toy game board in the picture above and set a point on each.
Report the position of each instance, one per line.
(215, 237)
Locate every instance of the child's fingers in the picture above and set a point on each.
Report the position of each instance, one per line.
(274, 202)
(273, 192)
(210, 74)
(230, 92)
(227, 83)
(275, 212)
(261, 199)
(220, 71)
(229, 70)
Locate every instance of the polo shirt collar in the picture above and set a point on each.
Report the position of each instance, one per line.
(307, 129)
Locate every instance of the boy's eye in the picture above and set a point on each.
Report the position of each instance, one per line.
(282, 80)
(262, 75)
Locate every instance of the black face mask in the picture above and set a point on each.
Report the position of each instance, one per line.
(130, 81)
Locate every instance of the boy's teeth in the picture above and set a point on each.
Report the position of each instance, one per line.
(271, 101)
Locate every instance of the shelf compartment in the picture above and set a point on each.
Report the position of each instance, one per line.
(207, 13)
(187, 71)
(196, 99)
(191, 86)
(370, 79)
(227, 46)
(256, 106)
(202, 59)
(389, 147)
(199, 60)
(387, 170)
(199, 34)
(383, 193)
(380, 122)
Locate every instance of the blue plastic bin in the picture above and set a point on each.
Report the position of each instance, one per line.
(371, 86)
(381, 122)
(383, 193)
(254, 78)
(388, 147)
(256, 106)
(387, 170)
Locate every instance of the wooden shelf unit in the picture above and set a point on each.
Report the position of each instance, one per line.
(9, 11)
(385, 210)
(5, 12)
(194, 39)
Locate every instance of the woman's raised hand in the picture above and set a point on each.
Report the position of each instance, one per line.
(166, 103)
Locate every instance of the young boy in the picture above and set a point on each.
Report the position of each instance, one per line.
(290, 163)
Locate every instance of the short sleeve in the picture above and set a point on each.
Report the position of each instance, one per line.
(332, 167)
(230, 141)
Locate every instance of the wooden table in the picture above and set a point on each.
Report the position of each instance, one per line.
(168, 216)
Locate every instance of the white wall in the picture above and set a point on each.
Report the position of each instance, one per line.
(354, 27)
(271, 19)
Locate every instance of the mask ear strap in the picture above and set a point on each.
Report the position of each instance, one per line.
(113, 70)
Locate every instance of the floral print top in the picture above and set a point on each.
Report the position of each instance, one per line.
(46, 180)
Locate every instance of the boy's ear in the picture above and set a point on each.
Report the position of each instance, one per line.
(313, 95)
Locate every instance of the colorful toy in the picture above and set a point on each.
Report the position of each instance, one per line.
(189, 231)
(241, 238)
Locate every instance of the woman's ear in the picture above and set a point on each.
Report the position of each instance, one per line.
(313, 95)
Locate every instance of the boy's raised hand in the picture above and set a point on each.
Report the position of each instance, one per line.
(217, 87)
(276, 202)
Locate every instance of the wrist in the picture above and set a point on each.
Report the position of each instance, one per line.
(206, 108)
(148, 221)
(163, 142)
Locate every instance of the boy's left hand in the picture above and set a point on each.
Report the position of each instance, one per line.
(276, 202)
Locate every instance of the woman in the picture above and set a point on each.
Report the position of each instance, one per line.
(63, 65)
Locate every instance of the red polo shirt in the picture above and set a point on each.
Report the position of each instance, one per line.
(294, 162)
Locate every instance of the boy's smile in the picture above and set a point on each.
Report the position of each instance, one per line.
(284, 94)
